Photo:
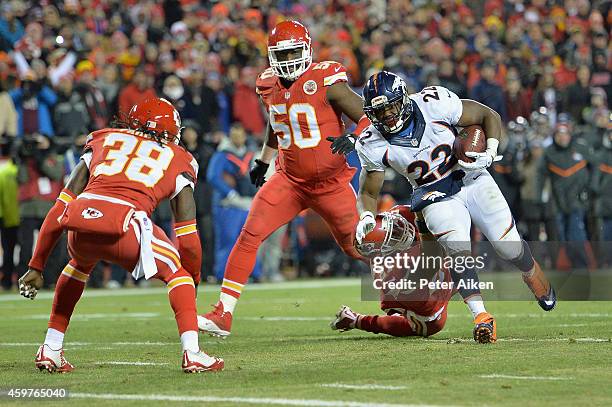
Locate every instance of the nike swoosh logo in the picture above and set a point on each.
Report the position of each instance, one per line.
(476, 177)
(337, 69)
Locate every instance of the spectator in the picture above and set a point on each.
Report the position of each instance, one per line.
(11, 29)
(228, 175)
(578, 95)
(92, 95)
(40, 177)
(8, 118)
(71, 117)
(9, 218)
(34, 102)
(516, 99)
(109, 85)
(204, 106)
(567, 163)
(139, 89)
(246, 103)
(603, 190)
(488, 92)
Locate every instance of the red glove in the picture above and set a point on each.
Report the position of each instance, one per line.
(50, 231)
(189, 247)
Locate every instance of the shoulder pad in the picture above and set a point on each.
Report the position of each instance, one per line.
(330, 71)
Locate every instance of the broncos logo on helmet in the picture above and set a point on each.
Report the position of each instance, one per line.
(386, 102)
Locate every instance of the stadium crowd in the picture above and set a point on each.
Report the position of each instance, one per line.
(69, 67)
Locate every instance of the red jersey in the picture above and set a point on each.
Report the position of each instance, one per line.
(424, 302)
(302, 119)
(126, 165)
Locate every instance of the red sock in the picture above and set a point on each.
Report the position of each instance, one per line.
(240, 264)
(394, 325)
(181, 292)
(68, 291)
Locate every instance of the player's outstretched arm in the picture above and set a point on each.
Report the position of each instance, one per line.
(342, 98)
(184, 210)
(50, 232)
(370, 184)
(490, 120)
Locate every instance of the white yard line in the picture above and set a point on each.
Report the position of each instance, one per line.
(363, 386)
(298, 285)
(99, 315)
(505, 376)
(285, 318)
(130, 363)
(244, 400)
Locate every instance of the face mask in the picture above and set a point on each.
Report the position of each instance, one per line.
(174, 92)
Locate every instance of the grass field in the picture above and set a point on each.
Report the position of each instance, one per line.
(283, 352)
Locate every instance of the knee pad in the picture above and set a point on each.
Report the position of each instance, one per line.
(524, 261)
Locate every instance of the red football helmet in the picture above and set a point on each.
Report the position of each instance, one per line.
(157, 117)
(393, 233)
(289, 36)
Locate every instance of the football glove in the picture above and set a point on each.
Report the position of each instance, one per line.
(258, 173)
(481, 160)
(343, 144)
(30, 283)
(366, 225)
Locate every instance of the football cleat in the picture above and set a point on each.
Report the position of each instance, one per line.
(541, 288)
(345, 320)
(53, 361)
(197, 362)
(216, 322)
(485, 330)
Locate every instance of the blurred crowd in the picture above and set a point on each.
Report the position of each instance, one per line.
(70, 67)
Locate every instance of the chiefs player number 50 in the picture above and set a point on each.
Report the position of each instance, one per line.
(289, 127)
(142, 161)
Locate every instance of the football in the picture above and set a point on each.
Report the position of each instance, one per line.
(471, 138)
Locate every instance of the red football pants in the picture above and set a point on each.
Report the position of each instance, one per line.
(400, 325)
(87, 249)
(279, 201)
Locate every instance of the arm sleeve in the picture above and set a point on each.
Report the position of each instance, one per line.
(214, 175)
(370, 160)
(50, 231)
(189, 247)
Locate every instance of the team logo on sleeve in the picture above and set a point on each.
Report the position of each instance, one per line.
(91, 213)
(310, 87)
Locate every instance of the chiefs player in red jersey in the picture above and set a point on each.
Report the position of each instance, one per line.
(420, 311)
(106, 208)
(305, 101)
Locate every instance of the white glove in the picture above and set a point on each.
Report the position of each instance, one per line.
(366, 225)
(481, 161)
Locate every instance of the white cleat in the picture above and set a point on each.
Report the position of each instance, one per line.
(197, 362)
(345, 320)
(209, 326)
(52, 360)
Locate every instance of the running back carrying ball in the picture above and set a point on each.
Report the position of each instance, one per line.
(470, 139)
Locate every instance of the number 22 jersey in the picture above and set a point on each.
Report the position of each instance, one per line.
(302, 118)
(127, 165)
(422, 152)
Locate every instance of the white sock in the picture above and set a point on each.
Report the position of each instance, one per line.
(229, 302)
(476, 305)
(54, 339)
(189, 340)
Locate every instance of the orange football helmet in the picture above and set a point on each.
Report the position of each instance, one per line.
(393, 232)
(289, 36)
(158, 118)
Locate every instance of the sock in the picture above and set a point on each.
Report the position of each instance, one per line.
(394, 325)
(229, 302)
(181, 292)
(54, 339)
(189, 341)
(475, 304)
(240, 264)
(68, 291)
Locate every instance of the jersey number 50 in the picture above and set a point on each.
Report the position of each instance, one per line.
(141, 161)
(289, 127)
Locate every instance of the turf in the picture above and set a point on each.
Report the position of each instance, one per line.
(282, 348)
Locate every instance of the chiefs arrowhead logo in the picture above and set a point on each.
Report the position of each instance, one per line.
(91, 213)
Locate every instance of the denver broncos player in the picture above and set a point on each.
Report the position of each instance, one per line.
(414, 134)
(305, 102)
(106, 208)
(417, 312)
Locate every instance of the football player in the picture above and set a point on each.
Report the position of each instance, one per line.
(106, 207)
(420, 311)
(414, 135)
(305, 101)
